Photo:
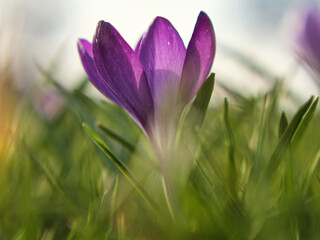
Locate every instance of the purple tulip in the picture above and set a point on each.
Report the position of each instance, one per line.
(309, 41)
(154, 82)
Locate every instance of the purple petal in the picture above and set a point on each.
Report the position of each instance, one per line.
(137, 49)
(116, 61)
(86, 55)
(312, 33)
(199, 58)
(162, 55)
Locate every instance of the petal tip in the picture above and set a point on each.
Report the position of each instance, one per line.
(79, 45)
(82, 42)
(100, 26)
(103, 24)
(202, 13)
(204, 18)
(103, 27)
(160, 20)
(100, 23)
(84, 46)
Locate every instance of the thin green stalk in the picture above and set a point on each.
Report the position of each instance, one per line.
(117, 138)
(125, 171)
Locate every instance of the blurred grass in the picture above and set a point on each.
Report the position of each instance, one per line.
(57, 184)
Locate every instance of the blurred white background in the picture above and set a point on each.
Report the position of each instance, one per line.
(46, 31)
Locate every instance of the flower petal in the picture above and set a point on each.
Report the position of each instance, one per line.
(312, 33)
(116, 61)
(162, 55)
(199, 58)
(137, 49)
(86, 55)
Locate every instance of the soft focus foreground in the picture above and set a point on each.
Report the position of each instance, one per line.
(254, 174)
(8, 107)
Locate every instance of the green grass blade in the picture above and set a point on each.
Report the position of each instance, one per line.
(305, 122)
(53, 180)
(123, 169)
(117, 138)
(230, 143)
(283, 124)
(229, 132)
(286, 138)
(112, 208)
(82, 84)
(47, 75)
(199, 107)
(311, 173)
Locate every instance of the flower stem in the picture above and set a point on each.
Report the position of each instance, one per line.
(170, 197)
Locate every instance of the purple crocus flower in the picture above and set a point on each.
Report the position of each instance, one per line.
(154, 82)
(309, 41)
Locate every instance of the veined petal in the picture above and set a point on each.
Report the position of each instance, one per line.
(162, 55)
(199, 58)
(86, 55)
(115, 60)
(102, 84)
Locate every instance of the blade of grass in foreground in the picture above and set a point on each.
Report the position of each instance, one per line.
(53, 180)
(230, 142)
(311, 173)
(199, 107)
(125, 171)
(116, 137)
(305, 123)
(301, 118)
(112, 208)
(283, 124)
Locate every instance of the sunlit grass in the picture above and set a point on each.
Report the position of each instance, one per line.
(246, 173)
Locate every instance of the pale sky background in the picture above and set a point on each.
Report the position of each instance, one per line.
(46, 31)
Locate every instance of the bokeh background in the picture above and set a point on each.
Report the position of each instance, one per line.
(44, 33)
(55, 183)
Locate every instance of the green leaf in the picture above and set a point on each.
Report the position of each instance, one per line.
(311, 173)
(82, 85)
(123, 169)
(230, 143)
(52, 179)
(199, 107)
(117, 138)
(112, 207)
(283, 124)
(230, 136)
(302, 115)
(305, 122)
